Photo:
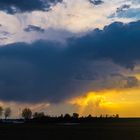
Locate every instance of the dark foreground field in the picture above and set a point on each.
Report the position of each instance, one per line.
(121, 129)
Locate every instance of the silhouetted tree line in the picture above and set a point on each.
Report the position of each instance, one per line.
(28, 116)
(63, 118)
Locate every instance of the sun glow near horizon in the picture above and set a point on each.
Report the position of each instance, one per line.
(124, 102)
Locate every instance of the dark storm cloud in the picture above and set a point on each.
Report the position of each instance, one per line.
(37, 72)
(118, 42)
(13, 6)
(52, 72)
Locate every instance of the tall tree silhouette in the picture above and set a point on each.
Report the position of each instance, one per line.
(27, 113)
(7, 112)
(1, 111)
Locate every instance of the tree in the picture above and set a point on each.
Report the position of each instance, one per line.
(1, 111)
(117, 116)
(89, 116)
(67, 116)
(7, 112)
(75, 115)
(38, 115)
(26, 113)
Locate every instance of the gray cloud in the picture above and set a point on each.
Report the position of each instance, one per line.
(123, 8)
(96, 2)
(132, 82)
(124, 81)
(126, 11)
(31, 28)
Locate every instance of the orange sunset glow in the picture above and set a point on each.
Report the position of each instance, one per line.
(125, 102)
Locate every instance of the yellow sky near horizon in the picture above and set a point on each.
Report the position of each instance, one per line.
(125, 102)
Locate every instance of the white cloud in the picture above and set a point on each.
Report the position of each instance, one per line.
(70, 16)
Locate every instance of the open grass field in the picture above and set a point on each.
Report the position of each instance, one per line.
(121, 129)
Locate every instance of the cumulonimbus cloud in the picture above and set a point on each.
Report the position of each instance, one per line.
(49, 71)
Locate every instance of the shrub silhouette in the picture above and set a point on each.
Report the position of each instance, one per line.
(67, 116)
(75, 115)
(38, 115)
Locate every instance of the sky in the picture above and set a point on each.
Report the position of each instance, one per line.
(65, 56)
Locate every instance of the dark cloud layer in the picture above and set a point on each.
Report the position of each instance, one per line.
(48, 71)
(118, 42)
(13, 6)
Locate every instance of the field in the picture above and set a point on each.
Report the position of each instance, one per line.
(121, 129)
